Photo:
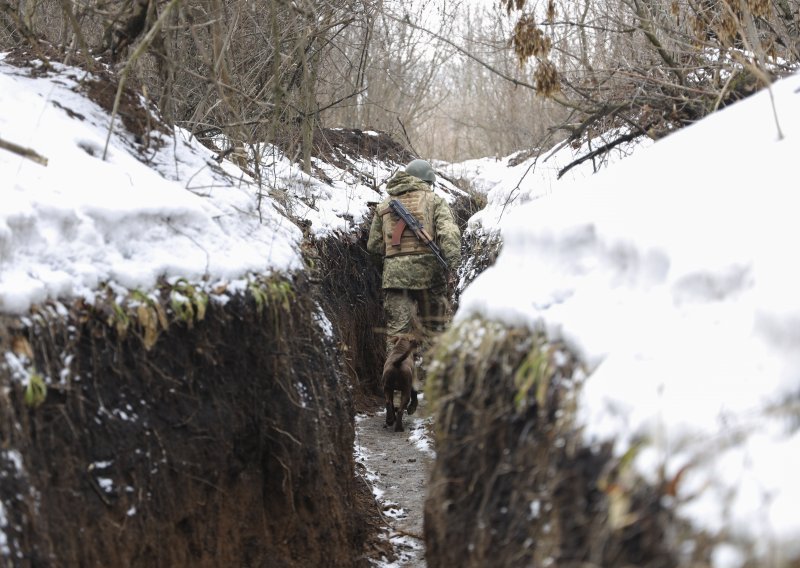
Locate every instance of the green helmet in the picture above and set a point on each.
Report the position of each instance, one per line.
(422, 170)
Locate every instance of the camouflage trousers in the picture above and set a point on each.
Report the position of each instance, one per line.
(423, 313)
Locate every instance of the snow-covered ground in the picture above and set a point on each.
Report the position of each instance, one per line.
(82, 221)
(674, 276)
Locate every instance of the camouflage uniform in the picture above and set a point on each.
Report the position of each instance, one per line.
(414, 282)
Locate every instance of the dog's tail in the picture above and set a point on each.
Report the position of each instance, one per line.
(403, 347)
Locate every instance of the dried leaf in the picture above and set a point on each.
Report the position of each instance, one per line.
(162, 315)
(201, 303)
(21, 347)
(619, 507)
(148, 319)
(120, 320)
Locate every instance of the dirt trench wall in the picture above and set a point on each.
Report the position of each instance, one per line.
(229, 443)
(513, 485)
(350, 293)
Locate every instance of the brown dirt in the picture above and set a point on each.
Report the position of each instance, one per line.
(337, 145)
(344, 147)
(349, 281)
(229, 443)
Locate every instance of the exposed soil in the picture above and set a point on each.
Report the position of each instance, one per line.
(340, 146)
(227, 443)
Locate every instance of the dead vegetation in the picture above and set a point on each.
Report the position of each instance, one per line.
(650, 67)
(513, 485)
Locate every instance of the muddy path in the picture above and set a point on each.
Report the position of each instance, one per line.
(397, 465)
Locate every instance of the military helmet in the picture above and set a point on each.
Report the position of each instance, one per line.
(422, 170)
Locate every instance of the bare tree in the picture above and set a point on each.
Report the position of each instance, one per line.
(652, 66)
(452, 79)
(392, 71)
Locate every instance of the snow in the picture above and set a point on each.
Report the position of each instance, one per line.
(514, 180)
(671, 273)
(419, 434)
(4, 549)
(81, 221)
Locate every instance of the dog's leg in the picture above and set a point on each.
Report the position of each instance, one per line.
(388, 395)
(390, 414)
(398, 425)
(412, 406)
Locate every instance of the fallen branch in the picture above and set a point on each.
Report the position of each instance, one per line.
(601, 150)
(24, 152)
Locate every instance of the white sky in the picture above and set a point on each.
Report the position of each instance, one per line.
(672, 273)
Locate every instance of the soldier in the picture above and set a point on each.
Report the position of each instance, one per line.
(414, 281)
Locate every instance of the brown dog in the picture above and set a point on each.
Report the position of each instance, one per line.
(398, 375)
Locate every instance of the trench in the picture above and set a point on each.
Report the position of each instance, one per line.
(249, 432)
(243, 429)
(396, 465)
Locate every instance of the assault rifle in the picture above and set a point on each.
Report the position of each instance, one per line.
(407, 219)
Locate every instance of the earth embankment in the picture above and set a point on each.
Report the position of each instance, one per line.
(221, 440)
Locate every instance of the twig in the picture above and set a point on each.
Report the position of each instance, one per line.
(775, 112)
(344, 98)
(410, 145)
(597, 151)
(24, 152)
(466, 53)
(148, 39)
(98, 489)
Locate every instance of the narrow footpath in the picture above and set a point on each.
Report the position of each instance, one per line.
(397, 465)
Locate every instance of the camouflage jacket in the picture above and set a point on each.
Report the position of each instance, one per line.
(416, 271)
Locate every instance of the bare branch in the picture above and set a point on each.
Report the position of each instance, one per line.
(24, 152)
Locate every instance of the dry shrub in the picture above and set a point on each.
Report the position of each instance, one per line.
(513, 485)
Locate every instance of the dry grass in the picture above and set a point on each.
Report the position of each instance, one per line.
(513, 485)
